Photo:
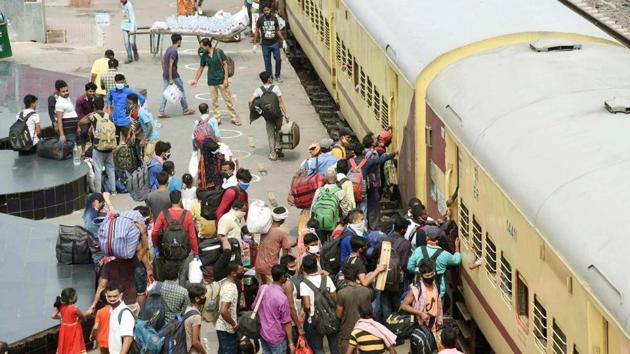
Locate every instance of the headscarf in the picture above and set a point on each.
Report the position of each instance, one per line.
(279, 213)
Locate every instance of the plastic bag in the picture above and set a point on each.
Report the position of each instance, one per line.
(259, 217)
(302, 346)
(172, 94)
(193, 164)
(194, 271)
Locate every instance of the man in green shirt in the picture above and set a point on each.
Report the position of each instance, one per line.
(216, 61)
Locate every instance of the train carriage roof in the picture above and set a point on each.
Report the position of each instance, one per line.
(536, 122)
(418, 31)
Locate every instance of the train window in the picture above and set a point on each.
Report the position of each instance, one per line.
(540, 324)
(506, 279)
(477, 237)
(362, 83)
(326, 34)
(355, 74)
(428, 131)
(338, 52)
(377, 104)
(369, 92)
(491, 259)
(463, 220)
(385, 112)
(522, 299)
(559, 345)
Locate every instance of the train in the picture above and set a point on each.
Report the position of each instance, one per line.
(514, 109)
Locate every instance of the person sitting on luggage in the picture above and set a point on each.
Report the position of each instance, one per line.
(272, 125)
(244, 177)
(231, 223)
(423, 299)
(369, 336)
(29, 113)
(162, 153)
(65, 114)
(441, 258)
(358, 262)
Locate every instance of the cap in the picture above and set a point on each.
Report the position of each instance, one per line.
(385, 136)
(313, 149)
(433, 232)
(326, 143)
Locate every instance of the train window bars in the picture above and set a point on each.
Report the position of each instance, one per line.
(477, 234)
(559, 340)
(463, 220)
(540, 324)
(506, 279)
(522, 299)
(491, 259)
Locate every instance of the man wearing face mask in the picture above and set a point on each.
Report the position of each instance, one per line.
(143, 134)
(356, 227)
(192, 323)
(358, 262)
(311, 242)
(271, 243)
(121, 321)
(230, 224)
(118, 108)
(227, 172)
(244, 177)
(227, 325)
(162, 154)
(424, 300)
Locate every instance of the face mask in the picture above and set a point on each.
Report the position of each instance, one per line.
(113, 303)
(429, 280)
(291, 272)
(240, 214)
(359, 227)
(243, 186)
(120, 86)
(226, 175)
(313, 249)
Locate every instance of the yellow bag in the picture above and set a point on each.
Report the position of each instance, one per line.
(207, 228)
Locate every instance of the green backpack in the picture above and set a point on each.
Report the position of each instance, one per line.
(326, 208)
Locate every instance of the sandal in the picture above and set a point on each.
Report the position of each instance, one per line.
(163, 115)
(189, 111)
(236, 122)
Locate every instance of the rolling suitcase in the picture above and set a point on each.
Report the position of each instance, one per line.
(289, 135)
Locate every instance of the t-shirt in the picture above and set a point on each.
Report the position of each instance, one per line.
(30, 123)
(145, 118)
(356, 263)
(450, 351)
(158, 201)
(268, 27)
(122, 329)
(216, 74)
(64, 104)
(350, 298)
(123, 272)
(366, 343)
(258, 92)
(171, 53)
(102, 320)
(92, 118)
(269, 249)
(99, 67)
(305, 290)
(229, 294)
(192, 321)
(230, 225)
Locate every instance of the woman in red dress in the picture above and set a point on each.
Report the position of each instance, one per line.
(70, 340)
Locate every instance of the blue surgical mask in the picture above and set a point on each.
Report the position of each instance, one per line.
(120, 86)
(243, 186)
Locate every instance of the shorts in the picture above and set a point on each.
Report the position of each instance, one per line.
(141, 279)
(84, 137)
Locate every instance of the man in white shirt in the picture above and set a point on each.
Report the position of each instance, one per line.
(316, 340)
(273, 128)
(228, 169)
(231, 222)
(29, 113)
(66, 117)
(121, 321)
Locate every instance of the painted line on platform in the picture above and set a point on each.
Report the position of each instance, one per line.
(255, 178)
(202, 97)
(192, 66)
(237, 133)
(241, 154)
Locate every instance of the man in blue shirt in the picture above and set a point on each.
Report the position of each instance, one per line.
(144, 134)
(162, 154)
(117, 105)
(170, 76)
(325, 160)
(128, 26)
(356, 227)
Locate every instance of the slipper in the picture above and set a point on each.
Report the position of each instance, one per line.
(189, 111)
(236, 122)
(163, 115)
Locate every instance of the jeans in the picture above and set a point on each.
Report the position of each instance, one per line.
(268, 348)
(228, 342)
(100, 160)
(180, 85)
(267, 49)
(390, 301)
(316, 341)
(130, 44)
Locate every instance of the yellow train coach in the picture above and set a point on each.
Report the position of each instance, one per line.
(511, 104)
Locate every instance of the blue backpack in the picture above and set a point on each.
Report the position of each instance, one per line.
(146, 339)
(374, 243)
(154, 309)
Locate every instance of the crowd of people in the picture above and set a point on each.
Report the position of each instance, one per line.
(196, 250)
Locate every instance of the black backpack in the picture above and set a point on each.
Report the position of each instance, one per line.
(73, 245)
(19, 136)
(434, 257)
(209, 251)
(269, 104)
(174, 243)
(211, 202)
(324, 318)
(154, 308)
(174, 334)
(423, 341)
(330, 257)
(395, 272)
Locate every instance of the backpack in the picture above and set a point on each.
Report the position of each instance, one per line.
(211, 202)
(303, 189)
(341, 149)
(210, 312)
(139, 184)
(19, 136)
(418, 238)
(324, 319)
(124, 158)
(230, 65)
(422, 341)
(434, 257)
(395, 272)
(154, 308)
(118, 235)
(174, 245)
(73, 245)
(203, 131)
(105, 132)
(329, 255)
(402, 325)
(269, 104)
(174, 334)
(146, 339)
(209, 251)
(358, 182)
(326, 208)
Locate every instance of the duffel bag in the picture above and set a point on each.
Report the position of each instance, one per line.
(119, 235)
(401, 325)
(209, 251)
(259, 217)
(303, 189)
(54, 149)
(73, 245)
(289, 135)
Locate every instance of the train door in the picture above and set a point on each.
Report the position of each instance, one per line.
(436, 164)
(597, 331)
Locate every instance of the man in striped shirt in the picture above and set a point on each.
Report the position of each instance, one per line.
(369, 337)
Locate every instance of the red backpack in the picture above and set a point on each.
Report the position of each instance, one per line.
(203, 131)
(356, 177)
(303, 189)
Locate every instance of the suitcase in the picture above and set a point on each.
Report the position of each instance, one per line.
(73, 245)
(303, 189)
(54, 149)
(289, 135)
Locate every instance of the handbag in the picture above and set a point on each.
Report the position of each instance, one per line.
(302, 346)
(248, 322)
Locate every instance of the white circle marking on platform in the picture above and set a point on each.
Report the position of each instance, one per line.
(255, 178)
(192, 66)
(190, 51)
(240, 154)
(236, 133)
(202, 96)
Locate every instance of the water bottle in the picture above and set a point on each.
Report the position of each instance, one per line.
(76, 155)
